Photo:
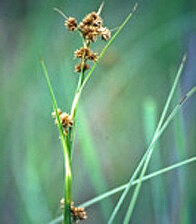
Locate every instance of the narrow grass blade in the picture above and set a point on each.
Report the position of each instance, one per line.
(159, 197)
(66, 152)
(117, 207)
(151, 149)
(181, 152)
(122, 187)
(100, 8)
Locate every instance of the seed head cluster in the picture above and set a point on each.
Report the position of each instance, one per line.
(65, 119)
(77, 213)
(90, 28)
(71, 23)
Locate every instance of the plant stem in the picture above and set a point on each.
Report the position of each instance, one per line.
(66, 152)
(75, 102)
(67, 191)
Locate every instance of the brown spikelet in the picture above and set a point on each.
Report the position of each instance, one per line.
(78, 67)
(92, 36)
(90, 26)
(65, 119)
(76, 212)
(93, 56)
(105, 34)
(85, 53)
(71, 24)
(89, 32)
(92, 19)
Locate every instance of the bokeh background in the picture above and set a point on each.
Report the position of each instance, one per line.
(118, 110)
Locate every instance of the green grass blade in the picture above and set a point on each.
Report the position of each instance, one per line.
(158, 194)
(181, 152)
(66, 152)
(151, 149)
(117, 207)
(147, 177)
(171, 94)
(122, 187)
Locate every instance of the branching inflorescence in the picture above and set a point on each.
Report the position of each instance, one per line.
(90, 28)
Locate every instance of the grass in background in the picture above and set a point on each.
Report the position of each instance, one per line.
(159, 197)
(145, 159)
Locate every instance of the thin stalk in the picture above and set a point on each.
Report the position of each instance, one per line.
(122, 187)
(136, 172)
(159, 197)
(66, 152)
(75, 104)
(181, 151)
(151, 149)
(147, 177)
(61, 13)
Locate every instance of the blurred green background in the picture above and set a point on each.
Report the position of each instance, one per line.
(118, 110)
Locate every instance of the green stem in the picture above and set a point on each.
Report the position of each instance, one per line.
(67, 191)
(66, 152)
(75, 103)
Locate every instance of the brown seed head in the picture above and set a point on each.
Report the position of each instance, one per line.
(78, 67)
(105, 34)
(85, 53)
(92, 36)
(66, 120)
(90, 26)
(89, 32)
(76, 212)
(92, 19)
(71, 24)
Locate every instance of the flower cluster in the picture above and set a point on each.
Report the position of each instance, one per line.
(76, 212)
(71, 23)
(84, 53)
(91, 28)
(65, 119)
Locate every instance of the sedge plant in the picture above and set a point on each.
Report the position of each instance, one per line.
(90, 29)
